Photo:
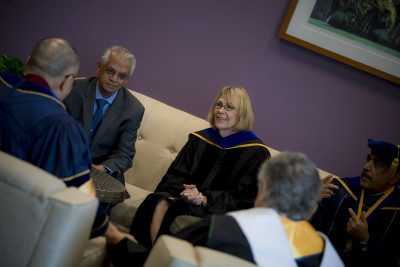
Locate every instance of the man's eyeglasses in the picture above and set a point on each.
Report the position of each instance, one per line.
(69, 75)
(227, 107)
(122, 76)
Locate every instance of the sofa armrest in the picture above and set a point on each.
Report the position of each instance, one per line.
(41, 217)
(174, 252)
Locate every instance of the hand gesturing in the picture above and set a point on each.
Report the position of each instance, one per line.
(327, 187)
(358, 228)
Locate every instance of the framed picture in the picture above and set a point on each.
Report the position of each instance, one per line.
(355, 32)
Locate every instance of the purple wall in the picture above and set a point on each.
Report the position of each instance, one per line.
(187, 50)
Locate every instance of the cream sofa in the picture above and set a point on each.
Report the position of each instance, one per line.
(43, 223)
(162, 134)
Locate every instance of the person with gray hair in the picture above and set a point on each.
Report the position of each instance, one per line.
(109, 113)
(125, 52)
(35, 127)
(276, 231)
(293, 186)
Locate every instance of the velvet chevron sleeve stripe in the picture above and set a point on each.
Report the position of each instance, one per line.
(355, 182)
(237, 140)
(13, 81)
(76, 180)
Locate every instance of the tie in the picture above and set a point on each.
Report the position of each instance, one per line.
(97, 116)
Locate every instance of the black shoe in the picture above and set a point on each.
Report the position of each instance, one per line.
(127, 253)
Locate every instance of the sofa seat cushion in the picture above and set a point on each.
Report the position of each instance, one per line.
(174, 252)
(95, 253)
(123, 213)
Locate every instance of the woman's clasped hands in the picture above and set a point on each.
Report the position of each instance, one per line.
(192, 195)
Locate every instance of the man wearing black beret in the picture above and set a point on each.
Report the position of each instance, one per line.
(361, 215)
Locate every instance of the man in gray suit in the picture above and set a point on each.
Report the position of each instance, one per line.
(109, 113)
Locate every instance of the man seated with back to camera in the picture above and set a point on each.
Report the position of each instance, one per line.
(35, 127)
(276, 231)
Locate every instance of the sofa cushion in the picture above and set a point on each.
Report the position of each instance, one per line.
(123, 213)
(162, 134)
(95, 253)
(174, 252)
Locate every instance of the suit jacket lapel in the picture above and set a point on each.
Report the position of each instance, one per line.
(109, 117)
(88, 106)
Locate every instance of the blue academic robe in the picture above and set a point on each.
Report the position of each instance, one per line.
(35, 127)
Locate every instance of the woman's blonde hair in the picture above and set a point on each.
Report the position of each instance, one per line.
(241, 101)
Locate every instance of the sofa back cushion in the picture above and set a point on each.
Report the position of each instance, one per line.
(162, 134)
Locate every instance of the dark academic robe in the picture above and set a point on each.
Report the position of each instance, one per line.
(383, 225)
(35, 127)
(223, 169)
(258, 235)
(223, 233)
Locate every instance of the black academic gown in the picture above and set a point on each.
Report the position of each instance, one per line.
(223, 233)
(223, 169)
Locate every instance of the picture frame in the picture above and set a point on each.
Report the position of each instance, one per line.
(339, 45)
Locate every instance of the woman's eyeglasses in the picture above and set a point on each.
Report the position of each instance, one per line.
(227, 107)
